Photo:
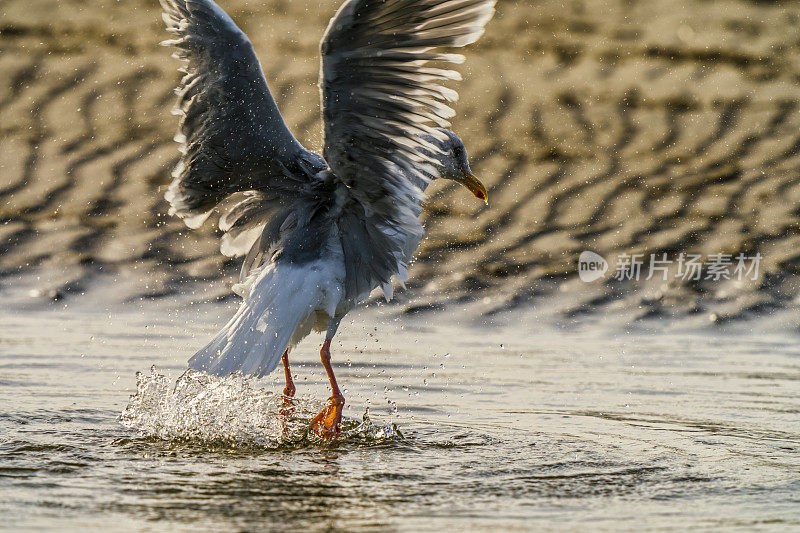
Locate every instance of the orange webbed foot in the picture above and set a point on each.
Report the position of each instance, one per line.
(327, 424)
(287, 408)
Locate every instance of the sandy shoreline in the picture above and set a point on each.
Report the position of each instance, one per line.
(618, 127)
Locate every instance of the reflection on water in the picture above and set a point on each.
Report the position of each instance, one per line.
(501, 428)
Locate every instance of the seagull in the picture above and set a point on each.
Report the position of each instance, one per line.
(318, 232)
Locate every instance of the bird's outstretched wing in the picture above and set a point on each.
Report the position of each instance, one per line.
(381, 89)
(231, 133)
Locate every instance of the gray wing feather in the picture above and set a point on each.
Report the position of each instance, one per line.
(232, 134)
(381, 96)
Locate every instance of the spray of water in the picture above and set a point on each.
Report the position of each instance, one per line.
(199, 406)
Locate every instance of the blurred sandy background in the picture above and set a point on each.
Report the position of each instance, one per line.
(631, 126)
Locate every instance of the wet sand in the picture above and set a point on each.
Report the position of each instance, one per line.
(619, 127)
(532, 397)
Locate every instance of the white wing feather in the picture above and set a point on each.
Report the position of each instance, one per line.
(380, 91)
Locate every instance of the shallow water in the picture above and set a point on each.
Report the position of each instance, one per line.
(501, 427)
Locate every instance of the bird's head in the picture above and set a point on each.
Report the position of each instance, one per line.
(454, 166)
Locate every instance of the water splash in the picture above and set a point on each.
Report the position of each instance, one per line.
(231, 409)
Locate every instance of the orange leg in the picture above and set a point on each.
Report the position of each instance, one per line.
(289, 389)
(288, 392)
(327, 423)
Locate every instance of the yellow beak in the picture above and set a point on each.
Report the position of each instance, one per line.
(475, 187)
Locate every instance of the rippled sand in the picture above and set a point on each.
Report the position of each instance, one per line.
(502, 429)
(617, 126)
(623, 126)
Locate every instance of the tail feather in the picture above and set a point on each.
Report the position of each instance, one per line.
(278, 299)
